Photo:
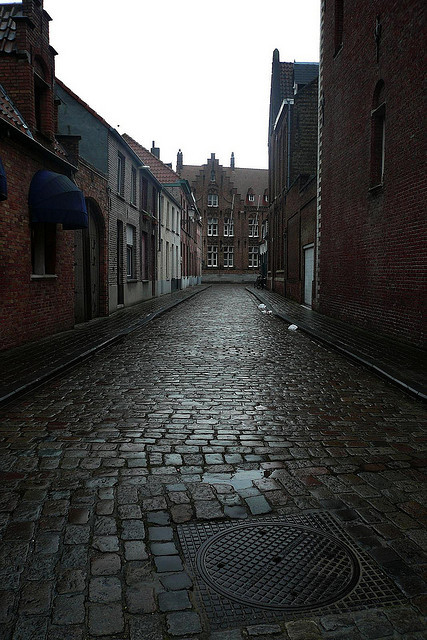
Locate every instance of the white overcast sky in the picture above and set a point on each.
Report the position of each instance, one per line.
(191, 74)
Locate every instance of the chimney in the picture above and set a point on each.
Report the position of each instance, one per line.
(232, 160)
(179, 162)
(155, 150)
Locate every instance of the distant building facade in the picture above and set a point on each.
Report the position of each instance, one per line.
(292, 178)
(233, 203)
(372, 213)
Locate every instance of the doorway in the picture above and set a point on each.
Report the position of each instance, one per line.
(86, 268)
(308, 273)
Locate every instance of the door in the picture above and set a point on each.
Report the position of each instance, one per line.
(308, 273)
(93, 250)
(120, 270)
(86, 270)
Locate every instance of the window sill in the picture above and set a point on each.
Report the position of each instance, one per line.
(338, 51)
(130, 280)
(44, 276)
(376, 188)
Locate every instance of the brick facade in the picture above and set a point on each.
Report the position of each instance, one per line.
(32, 305)
(292, 184)
(233, 204)
(372, 260)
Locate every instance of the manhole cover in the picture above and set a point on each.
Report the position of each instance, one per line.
(278, 566)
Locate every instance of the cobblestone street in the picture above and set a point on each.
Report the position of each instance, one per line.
(213, 413)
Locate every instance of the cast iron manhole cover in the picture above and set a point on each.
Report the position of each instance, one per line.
(280, 567)
(273, 565)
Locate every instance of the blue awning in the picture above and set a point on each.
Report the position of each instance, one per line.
(55, 198)
(3, 182)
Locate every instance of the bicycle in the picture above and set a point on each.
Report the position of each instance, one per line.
(260, 282)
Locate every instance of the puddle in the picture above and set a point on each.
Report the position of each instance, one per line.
(241, 479)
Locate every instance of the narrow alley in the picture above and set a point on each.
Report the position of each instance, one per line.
(213, 476)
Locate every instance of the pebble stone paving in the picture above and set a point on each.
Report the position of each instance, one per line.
(100, 466)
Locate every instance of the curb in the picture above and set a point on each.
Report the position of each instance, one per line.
(73, 362)
(390, 375)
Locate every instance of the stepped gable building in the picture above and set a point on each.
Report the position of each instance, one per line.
(233, 202)
(179, 239)
(40, 204)
(292, 178)
(372, 180)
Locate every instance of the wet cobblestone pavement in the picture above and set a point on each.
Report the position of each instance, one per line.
(212, 413)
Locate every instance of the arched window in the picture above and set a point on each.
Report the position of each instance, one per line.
(41, 89)
(378, 135)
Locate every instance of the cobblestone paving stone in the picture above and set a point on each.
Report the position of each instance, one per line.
(100, 466)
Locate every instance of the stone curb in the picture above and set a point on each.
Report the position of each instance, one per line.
(120, 335)
(390, 374)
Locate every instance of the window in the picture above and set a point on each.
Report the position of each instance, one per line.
(130, 251)
(121, 175)
(167, 260)
(339, 22)
(43, 248)
(212, 255)
(253, 257)
(229, 227)
(144, 194)
(228, 256)
(251, 197)
(253, 228)
(212, 200)
(133, 186)
(144, 257)
(378, 136)
(212, 226)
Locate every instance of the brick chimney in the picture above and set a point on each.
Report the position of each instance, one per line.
(155, 150)
(232, 160)
(27, 68)
(179, 162)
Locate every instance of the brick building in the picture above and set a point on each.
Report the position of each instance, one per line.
(40, 203)
(133, 193)
(179, 240)
(372, 181)
(233, 203)
(292, 178)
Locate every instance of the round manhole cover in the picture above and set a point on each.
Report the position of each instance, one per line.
(278, 566)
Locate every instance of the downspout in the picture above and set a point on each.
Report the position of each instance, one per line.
(288, 161)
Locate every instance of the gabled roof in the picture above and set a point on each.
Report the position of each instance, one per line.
(159, 169)
(305, 72)
(11, 115)
(286, 80)
(8, 13)
(82, 103)
(242, 179)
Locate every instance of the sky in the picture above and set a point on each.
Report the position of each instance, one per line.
(189, 75)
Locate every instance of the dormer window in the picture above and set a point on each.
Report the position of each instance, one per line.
(212, 200)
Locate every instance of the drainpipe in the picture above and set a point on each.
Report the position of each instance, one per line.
(288, 162)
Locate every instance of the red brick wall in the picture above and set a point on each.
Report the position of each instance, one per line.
(29, 309)
(300, 215)
(372, 261)
(17, 69)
